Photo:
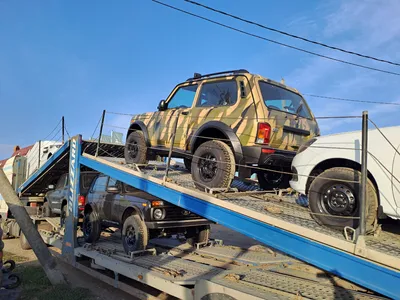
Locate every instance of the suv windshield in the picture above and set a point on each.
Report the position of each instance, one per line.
(282, 99)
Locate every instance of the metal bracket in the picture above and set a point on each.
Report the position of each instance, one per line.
(209, 243)
(361, 248)
(213, 191)
(95, 266)
(136, 168)
(116, 279)
(152, 251)
(352, 236)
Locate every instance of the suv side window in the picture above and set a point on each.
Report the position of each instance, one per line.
(223, 93)
(62, 181)
(100, 184)
(183, 97)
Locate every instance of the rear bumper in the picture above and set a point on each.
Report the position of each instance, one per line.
(265, 156)
(177, 223)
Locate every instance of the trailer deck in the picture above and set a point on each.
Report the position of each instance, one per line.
(258, 274)
(372, 262)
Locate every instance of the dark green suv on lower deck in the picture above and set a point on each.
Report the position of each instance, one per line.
(139, 215)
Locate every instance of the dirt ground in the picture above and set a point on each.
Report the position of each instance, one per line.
(98, 289)
(76, 278)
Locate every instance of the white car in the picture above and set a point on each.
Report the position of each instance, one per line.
(327, 167)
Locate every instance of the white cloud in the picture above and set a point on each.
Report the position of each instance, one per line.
(376, 21)
(367, 27)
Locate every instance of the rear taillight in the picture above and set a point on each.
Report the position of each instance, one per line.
(263, 133)
(81, 201)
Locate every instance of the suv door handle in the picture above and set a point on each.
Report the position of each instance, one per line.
(185, 113)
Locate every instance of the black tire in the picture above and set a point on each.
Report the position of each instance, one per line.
(16, 281)
(198, 235)
(8, 269)
(329, 194)
(269, 180)
(91, 227)
(47, 212)
(188, 164)
(135, 234)
(63, 216)
(135, 151)
(213, 165)
(23, 242)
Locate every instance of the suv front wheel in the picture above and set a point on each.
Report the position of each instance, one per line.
(135, 234)
(213, 165)
(135, 148)
(334, 199)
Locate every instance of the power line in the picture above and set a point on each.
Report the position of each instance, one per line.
(291, 35)
(275, 42)
(352, 100)
(52, 130)
(67, 131)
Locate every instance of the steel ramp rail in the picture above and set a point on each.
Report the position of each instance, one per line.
(58, 164)
(60, 154)
(377, 271)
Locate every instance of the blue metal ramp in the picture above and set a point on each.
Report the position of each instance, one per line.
(282, 225)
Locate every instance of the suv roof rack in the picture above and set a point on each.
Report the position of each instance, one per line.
(198, 76)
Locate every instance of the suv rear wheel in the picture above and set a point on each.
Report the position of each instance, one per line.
(213, 165)
(91, 227)
(334, 193)
(47, 212)
(135, 148)
(135, 234)
(188, 164)
(269, 180)
(198, 235)
(63, 215)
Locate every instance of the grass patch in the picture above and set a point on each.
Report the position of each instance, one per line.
(16, 258)
(36, 286)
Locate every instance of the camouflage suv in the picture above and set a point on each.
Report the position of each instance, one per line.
(227, 122)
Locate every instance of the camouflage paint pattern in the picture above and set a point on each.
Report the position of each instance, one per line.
(243, 117)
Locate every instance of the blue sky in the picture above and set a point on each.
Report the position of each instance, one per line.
(76, 58)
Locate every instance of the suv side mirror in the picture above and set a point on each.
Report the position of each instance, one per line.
(51, 187)
(162, 105)
(113, 189)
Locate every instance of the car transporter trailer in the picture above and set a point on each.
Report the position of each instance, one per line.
(354, 267)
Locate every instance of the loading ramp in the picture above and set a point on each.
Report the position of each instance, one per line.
(280, 224)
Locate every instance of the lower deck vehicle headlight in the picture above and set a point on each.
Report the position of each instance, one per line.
(158, 214)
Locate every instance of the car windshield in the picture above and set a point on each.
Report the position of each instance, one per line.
(279, 98)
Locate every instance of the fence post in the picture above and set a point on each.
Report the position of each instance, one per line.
(101, 132)
(171, 146)
(364, 172)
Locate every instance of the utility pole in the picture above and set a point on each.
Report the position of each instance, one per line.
(20, 214)
(63, 129)
(101, 132)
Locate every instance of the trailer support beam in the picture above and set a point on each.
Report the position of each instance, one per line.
(71, 221)
(40, 249)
